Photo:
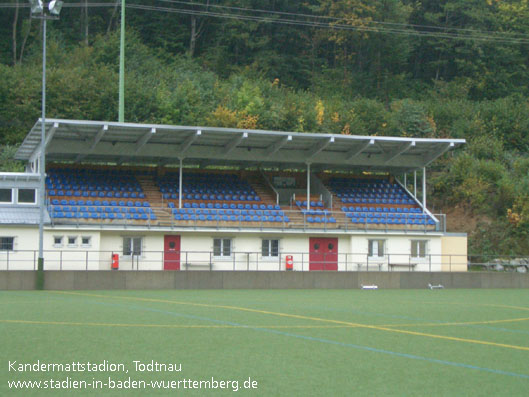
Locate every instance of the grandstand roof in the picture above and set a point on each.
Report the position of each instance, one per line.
(132, 143)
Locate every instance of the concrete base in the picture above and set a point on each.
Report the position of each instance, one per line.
(137, 280)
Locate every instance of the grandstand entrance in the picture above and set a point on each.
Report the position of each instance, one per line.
(171, 260)
(323, 253)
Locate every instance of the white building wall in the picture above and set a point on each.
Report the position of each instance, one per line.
(151, 257)
(66, 256)
(196, 248)
(397, 251)
(247, 251)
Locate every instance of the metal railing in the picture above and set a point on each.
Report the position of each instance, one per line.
(89, 260)
(214, 218)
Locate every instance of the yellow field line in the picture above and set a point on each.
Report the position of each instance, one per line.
(35, 322)
(510, 320)
(477, 304)
(300, 317)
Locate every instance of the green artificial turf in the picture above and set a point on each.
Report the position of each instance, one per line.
(290, 342)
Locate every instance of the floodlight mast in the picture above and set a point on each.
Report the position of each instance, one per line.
(43, 11)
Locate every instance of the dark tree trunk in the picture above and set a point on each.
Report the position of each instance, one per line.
(86, 22)
(14, 40)
(193, 40)
(114, 12)
(196, 31)
(24, 41)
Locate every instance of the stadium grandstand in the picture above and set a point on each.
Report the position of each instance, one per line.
(159, 197)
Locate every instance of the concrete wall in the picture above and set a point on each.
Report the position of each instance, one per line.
(81, 280)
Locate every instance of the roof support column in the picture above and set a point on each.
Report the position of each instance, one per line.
(415, 184)
(180, 184)
(405, 181)
(308, 186)
(424, 188)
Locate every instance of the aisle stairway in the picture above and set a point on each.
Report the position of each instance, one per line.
(153, 194)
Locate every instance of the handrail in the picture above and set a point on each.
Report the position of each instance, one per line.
(425, 210)
(270, 184)
(252, 260)
(237, 218)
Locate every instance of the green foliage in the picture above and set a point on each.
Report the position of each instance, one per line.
(7, 162)
(252, 74)
(410, 119)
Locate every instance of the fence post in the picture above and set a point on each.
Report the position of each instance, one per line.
(34, 260)
(210, 261)
(450, 262)
(430, 262)
(60, 260)
(302, 255)
(367, 262)
(187, 262)
(279, 259)
(234, 254)
(247, 261)
(86, 260)
(7, 264)
(345, 261)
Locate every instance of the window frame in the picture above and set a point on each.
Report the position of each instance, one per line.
(27, 202)
(12, 196)
(270, 253)
(370, 249)
(69, 244)
(56, 244)
(89, 243)
(222, 248)
(418, 256)
(134, 240)
(3, 246)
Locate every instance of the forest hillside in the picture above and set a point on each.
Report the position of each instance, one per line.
(443, 68)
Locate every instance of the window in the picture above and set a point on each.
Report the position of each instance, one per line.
(270, 248)
(376, 248)
(86, 241)
(7, 243)
(131, 246)
(222, 247)
(6, 195)
(57, 241)
(72, 241)
(27, 196)
(418, 248)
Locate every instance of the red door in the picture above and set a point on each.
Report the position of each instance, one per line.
(323, 253)
(171, 258)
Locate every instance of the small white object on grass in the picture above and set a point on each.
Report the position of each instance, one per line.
(369, 286)
(439, 286)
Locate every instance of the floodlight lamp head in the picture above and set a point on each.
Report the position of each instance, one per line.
(36, 6)
(55, 7)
